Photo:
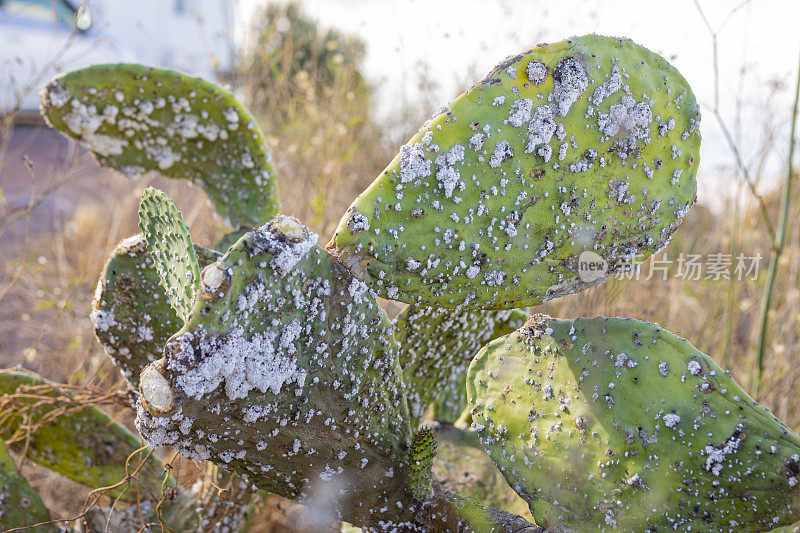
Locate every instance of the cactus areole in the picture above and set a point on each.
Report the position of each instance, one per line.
(586, 145)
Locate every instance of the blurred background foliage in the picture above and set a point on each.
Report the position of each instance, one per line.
(304, 84)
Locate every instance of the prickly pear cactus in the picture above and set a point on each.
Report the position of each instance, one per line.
(286, 372)
(131, 313)
(616, 424)
(436, 346)
(136, 118)
(170, 245)
(81, 443)
(585, 145)
(20, 506)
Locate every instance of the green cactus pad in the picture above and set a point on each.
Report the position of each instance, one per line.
(586, 146)
(19, 504)
(170, 245)
(131, 313)
(286, 372)
(136, 118)
(616, 424)
(436, 346)
(83, 444)
(420, 464)
(461, 466)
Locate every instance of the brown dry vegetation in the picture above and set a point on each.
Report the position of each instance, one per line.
(327, 149)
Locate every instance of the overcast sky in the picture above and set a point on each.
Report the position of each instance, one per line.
(460, 40)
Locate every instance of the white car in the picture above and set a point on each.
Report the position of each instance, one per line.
(40, 39)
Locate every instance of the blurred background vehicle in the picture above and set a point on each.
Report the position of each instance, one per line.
(40, 38)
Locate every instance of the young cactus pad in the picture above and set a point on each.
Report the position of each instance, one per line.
(170, 245)
(286, 372)
(420, 464)
(436, 346)
(81, 443)
(616, 424)
(136, 118)
(131, 313)
(586, 146)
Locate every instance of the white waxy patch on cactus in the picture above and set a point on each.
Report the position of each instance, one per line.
(102, 319)
(447, 173)
(413, 163)
(609, 87)
(671, 420)
(520, 112)
(569, 82)
(502, 152)
(162, 156)
(298, 241)
(238, 363)
(537, 72)
(357, 222)
(57, 94)
(104, 144)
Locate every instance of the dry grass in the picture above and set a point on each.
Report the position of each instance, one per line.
(327, 149)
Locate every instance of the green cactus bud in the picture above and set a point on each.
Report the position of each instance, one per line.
(170, 245)
(586, 146)
(57, 431)
(617, 424)
(436, 346)
(420, 464)
(131, 314)
(463, 467)
(287, 372)
(20, 505)
(136, 118)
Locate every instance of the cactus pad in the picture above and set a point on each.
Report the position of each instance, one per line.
(136, 118)
(286, 372)
(436, 346)
(19, 504)
(81, 443)
(586, 146)
(617, 424)
(170, 245)
(131, 313)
